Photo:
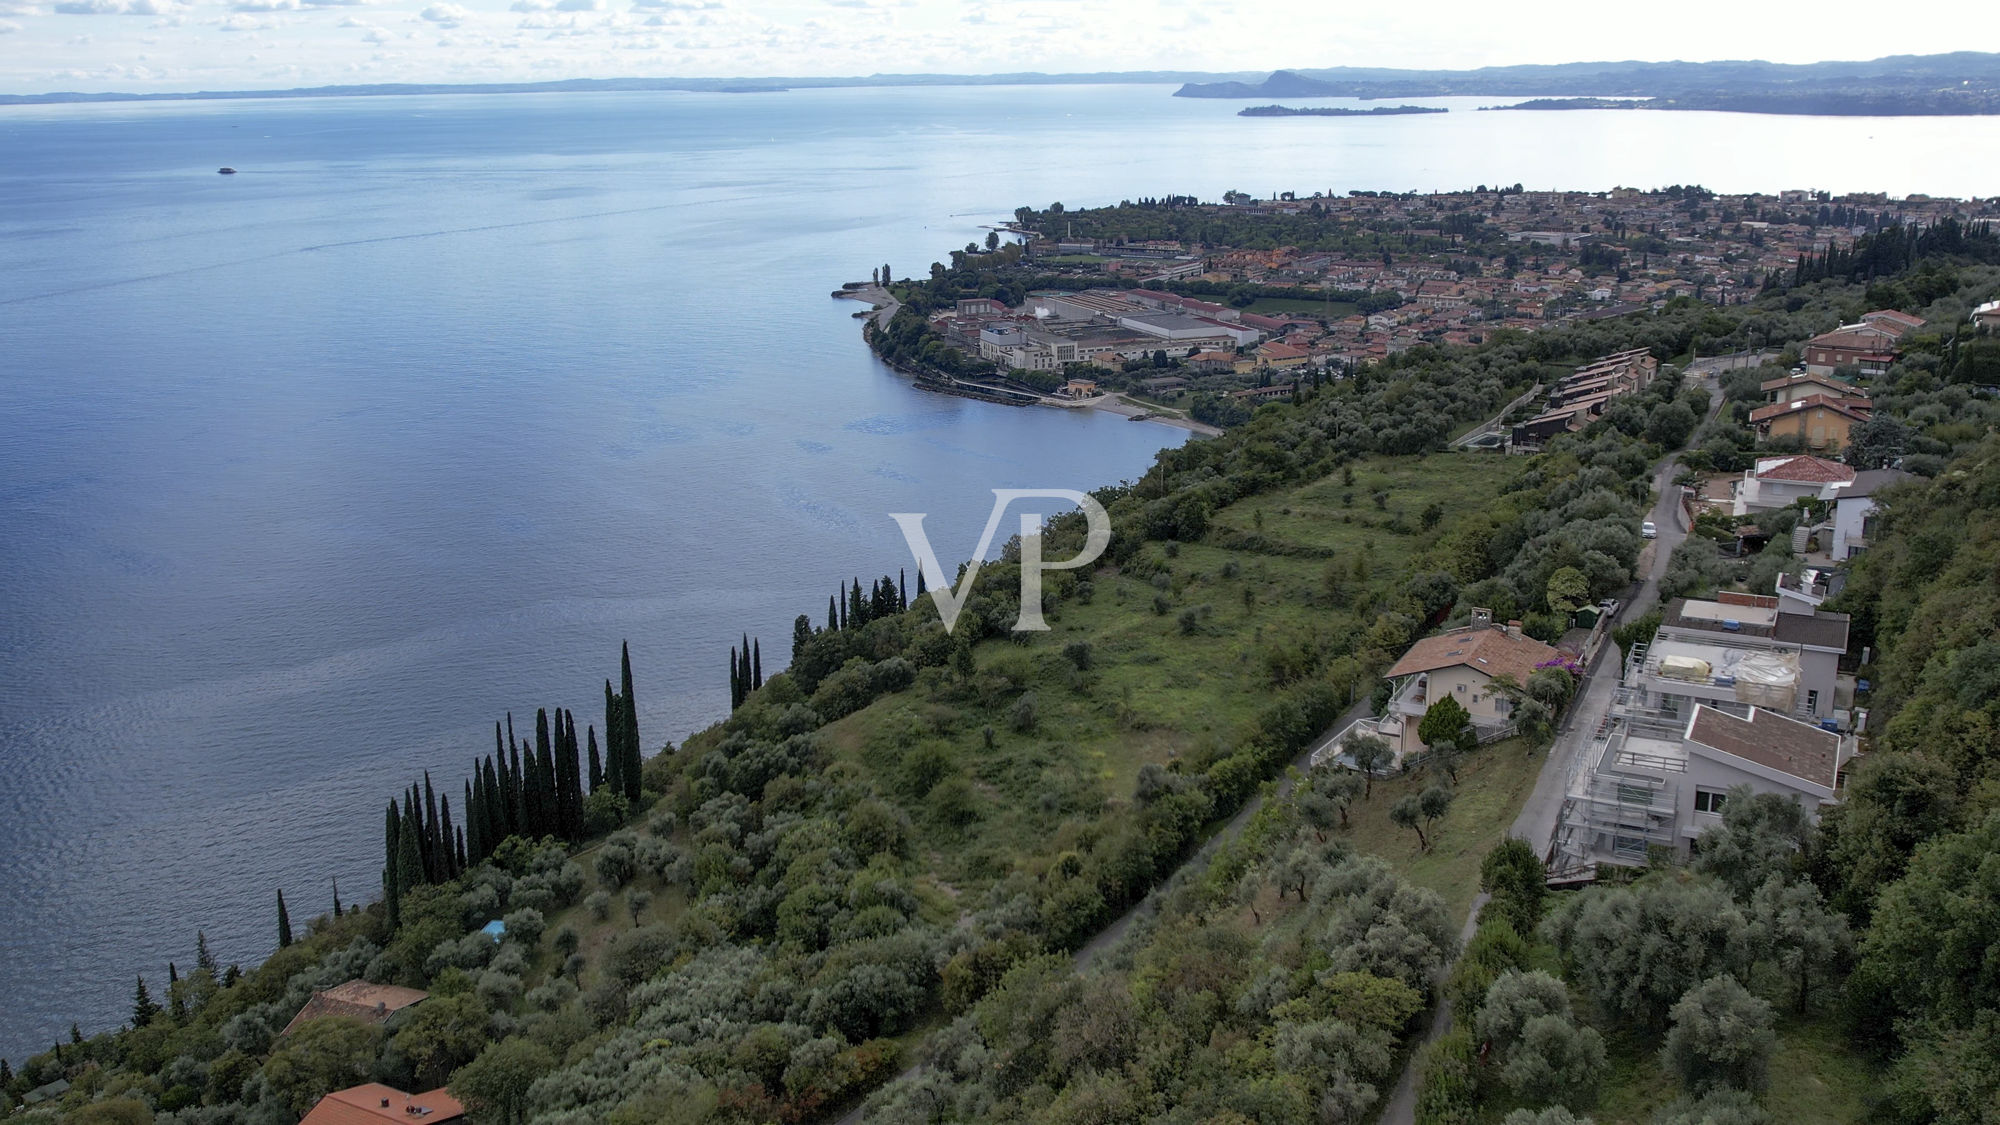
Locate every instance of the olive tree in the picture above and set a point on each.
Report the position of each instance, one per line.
(1721, 1037)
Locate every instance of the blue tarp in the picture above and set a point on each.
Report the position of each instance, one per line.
(496, 929)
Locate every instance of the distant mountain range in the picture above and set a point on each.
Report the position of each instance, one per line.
(1962, 82)
(1965, 82)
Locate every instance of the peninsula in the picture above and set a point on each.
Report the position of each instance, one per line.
(1961, 83)
(1336, 111)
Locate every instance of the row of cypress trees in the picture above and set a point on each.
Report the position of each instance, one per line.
(885, 597)
(746, 671)
(522, 789)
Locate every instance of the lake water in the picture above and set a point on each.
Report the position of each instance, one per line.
(309, 473)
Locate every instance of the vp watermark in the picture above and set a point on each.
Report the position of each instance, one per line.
(949, 600)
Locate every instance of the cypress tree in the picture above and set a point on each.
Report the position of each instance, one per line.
(336, 901)
(541, 807)
(460, 844)
(596, 763)
(473, 813)
(517, 793)
(735, 681)
(203, 959)
(570, 780)
(143, 1009)
(496, 812)
(902, 589)
(409, 857)
(802, 635)
(6, 1075)
(843, 611)
(392, 889)
(231, 975)
(832, 616)
(448, 859)
(176, 1003)
(629, 711)
(920, 582)
(434, 861)
(75, 1036)
(857, 610)
(756, 664)
(614, 730)
(284, 923)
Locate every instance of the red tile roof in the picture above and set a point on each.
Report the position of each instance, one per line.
(1857, 409)
(1483, 648)
(1807, 470)
(375, 1103)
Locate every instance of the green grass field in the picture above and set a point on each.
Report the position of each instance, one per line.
(1279, 306)
(1816, 1078)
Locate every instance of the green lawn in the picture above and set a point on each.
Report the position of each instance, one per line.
(1280, 306)
(1493, 784)
(1816, 1078)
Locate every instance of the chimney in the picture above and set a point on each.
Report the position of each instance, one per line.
(1481, 617)
(385, 1103)
(381, 1007)
(1514, 629)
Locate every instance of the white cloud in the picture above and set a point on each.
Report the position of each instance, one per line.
(17, 8)
(264, 6)
(8, 27)
(675, 5)
(445, 15)
(242, 21)
(89, 7)
(579, 5)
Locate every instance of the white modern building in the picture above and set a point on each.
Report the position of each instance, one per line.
(1649, 780)
(1854, 511)
(1737, 652)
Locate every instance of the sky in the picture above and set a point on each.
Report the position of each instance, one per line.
(172, 45)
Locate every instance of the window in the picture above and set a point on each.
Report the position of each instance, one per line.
(1812, 702)
(1459, 688)
(1707, 800)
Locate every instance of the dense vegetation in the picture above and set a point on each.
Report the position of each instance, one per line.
(886, 854)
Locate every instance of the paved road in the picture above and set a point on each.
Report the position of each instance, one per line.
(1537, 822)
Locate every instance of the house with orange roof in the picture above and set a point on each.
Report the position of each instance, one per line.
(374, 1104)
(1466, 665)
(1781, 482)
(1821, 421)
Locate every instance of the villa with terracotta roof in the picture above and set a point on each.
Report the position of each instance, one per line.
(1868, 344)
(1464, 664)
(1823, 422)
(374, 1103)
(357, 1000)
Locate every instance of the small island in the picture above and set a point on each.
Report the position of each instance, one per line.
(1335, 111)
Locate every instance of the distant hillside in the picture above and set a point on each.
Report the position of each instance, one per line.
(1963, 82)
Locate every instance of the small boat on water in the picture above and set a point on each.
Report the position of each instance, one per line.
(225, 171)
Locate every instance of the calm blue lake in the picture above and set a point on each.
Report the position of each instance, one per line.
(309, 473)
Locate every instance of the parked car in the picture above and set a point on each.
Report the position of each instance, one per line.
(1648, 531)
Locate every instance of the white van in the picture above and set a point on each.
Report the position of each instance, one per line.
(1648, 531)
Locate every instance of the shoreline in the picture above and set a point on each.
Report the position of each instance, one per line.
(883, 305)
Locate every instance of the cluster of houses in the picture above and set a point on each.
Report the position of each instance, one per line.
(1713, 248)
(1112, 327)
(1578, 399)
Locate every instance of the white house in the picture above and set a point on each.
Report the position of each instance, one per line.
(1737, 652)
(1462, 664)
(1649, 780)
(1781, 482)
(1987, 315)
(1854, 511)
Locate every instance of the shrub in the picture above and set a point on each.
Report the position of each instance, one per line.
(1721, 1037)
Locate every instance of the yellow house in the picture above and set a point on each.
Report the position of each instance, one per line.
(1823, 422)
(1463, 664)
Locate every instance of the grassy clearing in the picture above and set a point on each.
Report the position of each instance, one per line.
(1493, 784)
(1816, 1078)
(1276, 306)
